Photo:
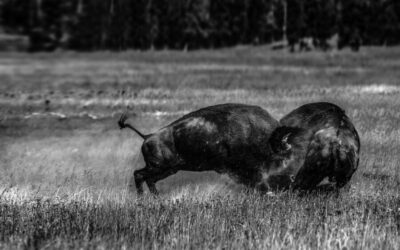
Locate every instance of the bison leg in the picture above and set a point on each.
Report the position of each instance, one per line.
(139, 179)
(145, 175)
(131, 183)
(157, 176)
(151, 175)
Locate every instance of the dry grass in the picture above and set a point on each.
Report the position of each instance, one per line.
(64, 166)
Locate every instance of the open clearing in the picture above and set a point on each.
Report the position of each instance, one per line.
(65, 165)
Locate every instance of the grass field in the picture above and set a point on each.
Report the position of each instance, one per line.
(65, 166)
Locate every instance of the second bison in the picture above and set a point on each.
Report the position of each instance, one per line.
(316, 141)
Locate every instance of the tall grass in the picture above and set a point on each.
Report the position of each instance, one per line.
(240, 220)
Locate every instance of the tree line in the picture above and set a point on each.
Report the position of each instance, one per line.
(192, 24)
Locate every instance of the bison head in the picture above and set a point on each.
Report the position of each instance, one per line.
(288, 146)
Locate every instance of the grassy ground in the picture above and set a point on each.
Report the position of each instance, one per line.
(64, 165)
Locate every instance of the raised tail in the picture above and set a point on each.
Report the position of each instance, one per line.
(122, 124)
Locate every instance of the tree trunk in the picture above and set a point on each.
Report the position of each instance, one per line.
(79, 8)
(39, 12)
(285, 17)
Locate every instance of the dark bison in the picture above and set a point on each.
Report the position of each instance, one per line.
(227, 138)
(315, 141)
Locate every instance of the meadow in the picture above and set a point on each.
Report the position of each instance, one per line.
(65, 165)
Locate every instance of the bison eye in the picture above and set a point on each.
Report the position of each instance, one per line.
(285, 145)
(282, 138)
(280, 147)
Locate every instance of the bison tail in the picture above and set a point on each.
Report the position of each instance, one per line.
(123, 124)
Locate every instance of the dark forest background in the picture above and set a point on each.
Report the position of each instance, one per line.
(192, 24)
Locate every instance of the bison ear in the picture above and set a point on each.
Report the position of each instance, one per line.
(281, 139)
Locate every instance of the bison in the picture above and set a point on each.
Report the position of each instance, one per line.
(226, 138)
(314, 142)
